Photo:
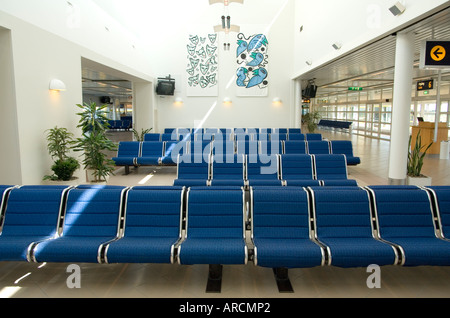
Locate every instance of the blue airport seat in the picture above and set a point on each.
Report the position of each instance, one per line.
(92, 219)
(223, 148)
(266, 147)
(317, 147)
(127, 153)
(280, 228)
(295, 147)
(152, 137)
(215, 231)
(343, 223)
(441, 195)
(193, 172)
(246, 147)
(345, 147)
(313, 137)
(170, 137)
(227, 172)
(294, 131)
(263, 170)
(172, 149)
(332, 169)
(295, 137)
(151, 153)
(296, 167)
(152, 226)
(405, 218)
(31, 215)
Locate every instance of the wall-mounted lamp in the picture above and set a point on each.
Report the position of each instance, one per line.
(397, 9)
(277, 101)
(178, 101)
(57, 85)
(227, 101)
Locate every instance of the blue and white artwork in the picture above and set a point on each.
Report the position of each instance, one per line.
(202, 65)
(252, 75)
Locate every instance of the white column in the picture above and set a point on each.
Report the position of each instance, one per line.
(298, 104)
(398, 156)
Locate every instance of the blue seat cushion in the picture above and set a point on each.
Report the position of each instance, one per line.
(289, 253)
(140, 250)
(226, 251)
(148, 160)
(189, 182)
(124, 161)
(359, 252)
(340, 182)
(70, 249)
(15, 248)
(422, 251)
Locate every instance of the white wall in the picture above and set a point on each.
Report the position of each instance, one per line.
(255, 16)
(349, 22)
(39, 56)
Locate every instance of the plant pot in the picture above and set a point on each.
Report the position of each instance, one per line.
(72, 182)
(91, 179)
(423, 181)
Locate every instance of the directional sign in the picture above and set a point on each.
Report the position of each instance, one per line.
(425, 85)
(435, 54)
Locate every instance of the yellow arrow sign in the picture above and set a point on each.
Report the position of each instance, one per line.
(438, 53)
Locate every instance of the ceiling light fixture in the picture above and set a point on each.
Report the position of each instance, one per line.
(397, 9)
(337, 46)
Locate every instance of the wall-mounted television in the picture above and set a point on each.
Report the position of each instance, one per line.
(165, 86)
(310, 91)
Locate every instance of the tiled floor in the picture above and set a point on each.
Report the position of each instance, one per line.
(31, 280)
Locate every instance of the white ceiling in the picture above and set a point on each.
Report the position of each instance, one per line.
(373, 65)
(370, 66)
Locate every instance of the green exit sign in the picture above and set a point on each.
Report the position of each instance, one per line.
(355, 88)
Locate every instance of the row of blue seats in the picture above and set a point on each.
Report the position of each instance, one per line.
(125, 124)
(219, 136)
(335, 123)
(291, 227)
(227, 131)
(133, 153)
(263, 170)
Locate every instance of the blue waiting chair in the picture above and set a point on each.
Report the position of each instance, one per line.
(151, 153)
(127, 154)
(228, 173)
(441, 197)
(280, 229)
(91, 220)
(297, 170)
(152, 226)
(215, 231)
(316, 147)
(31, 216)
(345, 147)
(405, 218)
(295, 147)
(193, 172)
(344, 224)
(332, 170)
(263, 170)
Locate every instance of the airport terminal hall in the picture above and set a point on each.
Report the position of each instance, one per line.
(224, 156)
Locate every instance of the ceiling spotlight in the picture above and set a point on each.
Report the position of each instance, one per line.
(337, 46)
(309, 62)
(397, 9)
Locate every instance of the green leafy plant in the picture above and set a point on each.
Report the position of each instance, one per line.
(59, 143)
(94, 142)
(311, 119)
(416, 156)
(140, 136)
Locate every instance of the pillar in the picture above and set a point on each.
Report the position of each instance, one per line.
(398, 155)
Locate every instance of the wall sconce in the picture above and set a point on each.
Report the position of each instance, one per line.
(178, 101)
(277, 101)
(227, 101)
(397, 9)
(57, 85)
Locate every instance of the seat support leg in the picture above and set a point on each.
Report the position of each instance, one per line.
(282, 279)
(214, 284)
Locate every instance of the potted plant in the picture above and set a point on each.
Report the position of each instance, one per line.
(310, 119)
(415, 162)
(94, 142)
(140, 136)
(59, 143)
